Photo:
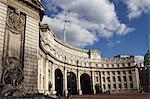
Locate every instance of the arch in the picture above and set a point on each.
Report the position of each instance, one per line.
(85, 84)
(58, 82)
(71, 83)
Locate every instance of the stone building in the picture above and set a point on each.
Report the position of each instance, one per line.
(65, 67)
(49, 66)
(145, 73)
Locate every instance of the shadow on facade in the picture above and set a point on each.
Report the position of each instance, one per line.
(58, 82)
(71, 83)
(85, 84)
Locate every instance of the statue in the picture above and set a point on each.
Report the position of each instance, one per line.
(11, 78)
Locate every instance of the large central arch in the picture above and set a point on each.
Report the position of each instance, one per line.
(58, 82)
(71, 83)
(85, 84)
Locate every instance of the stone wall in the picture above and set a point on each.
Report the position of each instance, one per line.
(30, 53)
(3, 12)
(31, 39)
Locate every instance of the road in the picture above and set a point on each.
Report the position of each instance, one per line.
(113, 96)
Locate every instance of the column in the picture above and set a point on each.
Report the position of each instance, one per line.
(135, 78)
(122, 80)
(128, 81)
(111, 80)
(53, 80)
(106, 80)
(42, 74)
(93, 80)
(79, 84)
(102, 82)
(116, 79)
(65, 82)
(46, 78)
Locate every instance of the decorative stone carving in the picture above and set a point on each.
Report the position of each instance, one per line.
(11, 78)
(12, 75)
(15, 21)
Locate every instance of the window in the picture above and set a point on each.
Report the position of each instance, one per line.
(103, 73)
(96, 65)
(104, 79)
(108, 73)
(120, 86)
(114, 85)
(112, 65)
(125, 85)
(123, 65)
(131, 85)
(119, 78)
(129, 71)
(124, 78)
(124, 72)
(130, 78)
(128, 64)
(118, 72)
(113, 73)
(96, 79)
(108, 79)
(114, 79)
(49, 74)
(109, 86)
(118, 65)
(104, 86)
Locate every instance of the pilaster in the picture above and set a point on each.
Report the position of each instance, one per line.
(79, 84)
(65, 82)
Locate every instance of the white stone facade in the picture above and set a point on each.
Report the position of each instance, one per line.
(44, 54)
(118, 74)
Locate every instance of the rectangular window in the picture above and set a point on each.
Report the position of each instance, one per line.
(104, 86)
(108, 79)
(125, 85)
(130, 78)
(119, 78)
(118, 72)
(96, 79)
(114, 79)
(108, 72)
(129, 71)
(109, 86)
(124, 72)
(124, 78)
(114, 85)
(104, 79)
(131, 85)
(113, 73)
(120, 86)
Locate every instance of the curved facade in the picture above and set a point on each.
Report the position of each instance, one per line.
(50, 66)
(63, 68)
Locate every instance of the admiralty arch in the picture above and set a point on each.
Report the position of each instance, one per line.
(63, 68)
(47, 65)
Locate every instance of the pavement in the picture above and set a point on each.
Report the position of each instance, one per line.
(113, 96)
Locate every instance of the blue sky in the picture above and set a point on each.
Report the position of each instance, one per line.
(111, 26)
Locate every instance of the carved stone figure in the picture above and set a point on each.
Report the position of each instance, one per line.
(12, 77)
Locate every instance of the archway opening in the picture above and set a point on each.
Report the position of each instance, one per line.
(85, 84)
(58, 82)
(71, 83)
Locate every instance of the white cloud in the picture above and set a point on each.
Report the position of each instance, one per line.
(89, 20)
(137, 7)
